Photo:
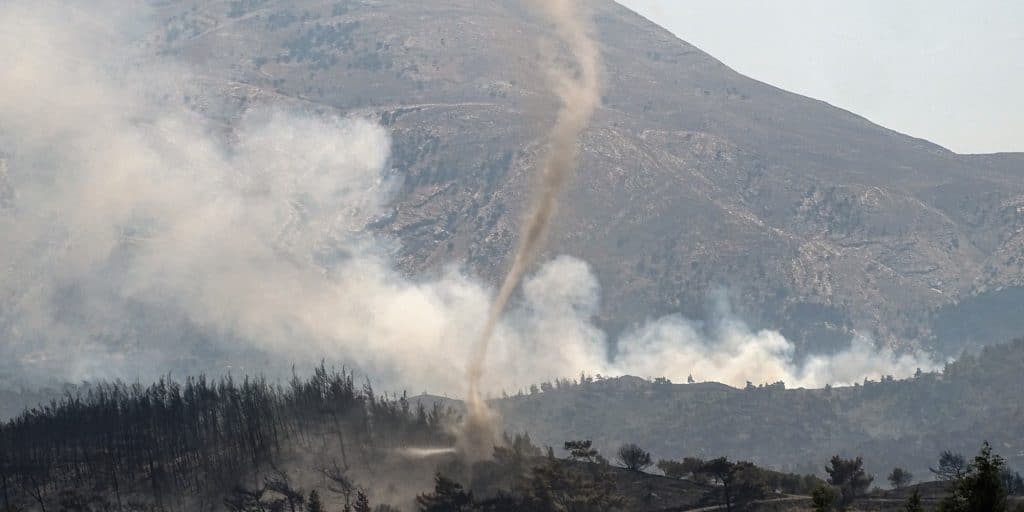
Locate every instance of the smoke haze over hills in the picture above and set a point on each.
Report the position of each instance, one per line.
(140, 237)
(246, 245)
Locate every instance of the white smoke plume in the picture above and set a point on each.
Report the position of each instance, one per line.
(726, 350)
(138, 238)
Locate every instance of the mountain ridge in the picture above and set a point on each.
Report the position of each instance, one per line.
(688, 170)
(693, 178)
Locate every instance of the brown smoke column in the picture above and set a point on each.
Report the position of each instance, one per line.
(579, 92)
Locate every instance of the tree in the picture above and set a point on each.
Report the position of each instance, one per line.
(687, 468)
(509, 466)
(849, 477)
(823, 498)
(951, 466)
(633, 458)
(1013, 482)
(313, 504)
(362, 502)
(900, 478)
(981, 487)
(448, 496)
(672, 468)
(914, 503)
(244, 500)
(747, 485)
(339, 483)
(279, 483)
(718, 469)
(741, 481)
(581, 450)
(554, 486)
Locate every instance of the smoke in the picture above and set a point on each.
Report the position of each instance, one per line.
(425, 453)
(579, 95)
(139, 238)
(725, 349)
(135, 227)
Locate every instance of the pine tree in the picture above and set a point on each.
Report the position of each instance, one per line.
(634, 458)
(849, 477)
(362, 503)
(314, 504)
(914, 503)
(981, 488)
(448, 496)
(823, 498)
(581, 450)
(900, 478)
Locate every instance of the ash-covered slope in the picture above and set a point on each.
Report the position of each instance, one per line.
(692, 176)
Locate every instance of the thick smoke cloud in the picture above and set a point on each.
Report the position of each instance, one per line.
(725, 349)
(137, 238)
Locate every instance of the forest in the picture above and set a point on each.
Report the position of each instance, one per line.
(329, 442)
(180, 446)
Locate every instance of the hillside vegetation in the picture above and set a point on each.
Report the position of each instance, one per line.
(890, 422)
(252, 445)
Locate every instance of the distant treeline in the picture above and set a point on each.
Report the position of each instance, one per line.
(889, 421)
(328, 442)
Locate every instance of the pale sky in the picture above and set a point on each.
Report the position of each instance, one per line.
(950, 71)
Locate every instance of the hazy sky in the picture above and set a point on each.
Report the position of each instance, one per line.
(951, 71)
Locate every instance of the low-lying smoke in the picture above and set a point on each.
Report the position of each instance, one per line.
(426, 453)
(136, 238)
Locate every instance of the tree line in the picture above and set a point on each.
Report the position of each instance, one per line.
(249, 445)
(197, 438)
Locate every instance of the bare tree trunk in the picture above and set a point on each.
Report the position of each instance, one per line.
(36, 492)
(7, 498)
(117, 486)
(341, 440)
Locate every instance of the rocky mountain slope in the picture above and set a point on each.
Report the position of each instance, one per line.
(692, 176)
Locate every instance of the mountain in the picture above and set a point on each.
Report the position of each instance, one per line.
(692, 176)
(904, 423)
